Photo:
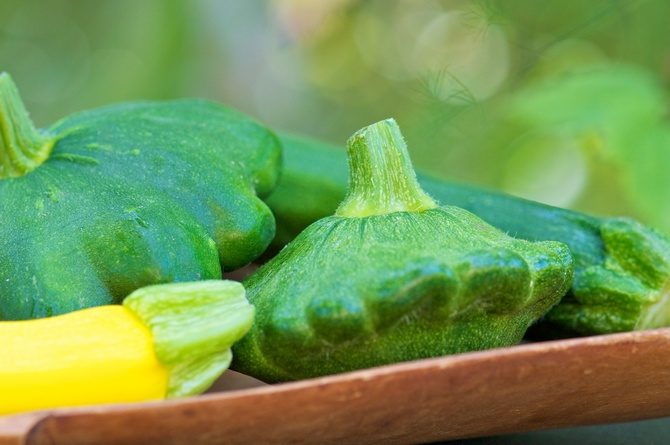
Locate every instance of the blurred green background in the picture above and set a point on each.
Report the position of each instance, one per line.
(565, 102)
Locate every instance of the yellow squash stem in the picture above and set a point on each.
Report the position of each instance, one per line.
(167, 340)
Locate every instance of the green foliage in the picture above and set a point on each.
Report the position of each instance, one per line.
(613, 115)
(446, 70)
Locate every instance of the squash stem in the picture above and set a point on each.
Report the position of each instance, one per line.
(381, 177)
(194, 325)
(22, 147)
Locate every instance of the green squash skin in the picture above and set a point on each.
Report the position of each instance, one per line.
(352, 293)
(131, 195)
(621, 267)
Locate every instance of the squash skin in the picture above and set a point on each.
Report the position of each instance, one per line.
(135, 194)
(621, 267)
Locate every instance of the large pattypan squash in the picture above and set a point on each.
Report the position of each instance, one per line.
(106, 201)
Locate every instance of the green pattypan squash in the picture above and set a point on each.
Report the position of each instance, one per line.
(621, 267)
(392, 276)
(107, 201)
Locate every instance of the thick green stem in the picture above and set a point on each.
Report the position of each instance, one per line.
(194, 325)
(381, 177)
(22, 147)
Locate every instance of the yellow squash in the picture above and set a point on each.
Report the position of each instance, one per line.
(166, 340)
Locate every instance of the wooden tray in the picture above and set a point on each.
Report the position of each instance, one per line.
(601, 379)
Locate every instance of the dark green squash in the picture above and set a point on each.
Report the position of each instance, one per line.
(106, 201)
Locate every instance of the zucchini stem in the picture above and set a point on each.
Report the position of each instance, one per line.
(22, 147)
(381, 176)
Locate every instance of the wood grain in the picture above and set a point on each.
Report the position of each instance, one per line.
(602, 379)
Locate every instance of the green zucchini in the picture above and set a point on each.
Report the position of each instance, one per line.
(622, 268)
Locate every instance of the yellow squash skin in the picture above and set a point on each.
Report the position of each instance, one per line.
(98, 355)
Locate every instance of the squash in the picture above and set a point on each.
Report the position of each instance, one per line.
(621, 267)
(109, 200)
(164, 341)
(392, 276)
